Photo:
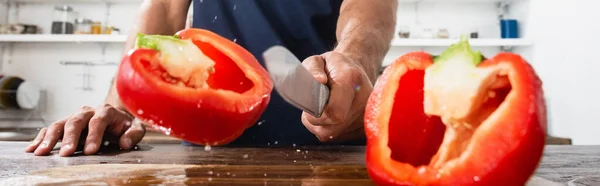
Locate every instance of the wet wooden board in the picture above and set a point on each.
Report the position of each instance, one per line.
(153, 174)
(148, 174)
(179, 165)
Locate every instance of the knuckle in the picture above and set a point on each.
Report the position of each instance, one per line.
(97, 120)
(55, 127)
(84, 113)
(354, 75)
(107, 107)
(78, 118)
(86, 108)
(108, 110)
(310, 61)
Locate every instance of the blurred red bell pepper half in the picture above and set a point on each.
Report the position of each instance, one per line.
(455, 119)
(196, 86)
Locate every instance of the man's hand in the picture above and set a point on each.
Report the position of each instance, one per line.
(98, 121)
(110, 121)
(350, 87)
(351, 69)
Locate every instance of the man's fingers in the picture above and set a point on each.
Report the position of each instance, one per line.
(96, 128)
(36, 142)
(337, 108)
(344, 79)
(316, 66)
(73, 128)
(132, 135)
(54, 132)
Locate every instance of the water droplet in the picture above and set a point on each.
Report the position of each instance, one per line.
(210, 172)
(160, 122)
(294, 161)
(201, 1)
(421, 170)
(268, 143)
(215, 19)
(139, 160)
(140, 111)
(198, 105)
(209, 178)
(207, 148)
(234, 6)
(128, 123)
(265, 174)
(245, 156)
(227, 173)
(330, 137)
(276, 142)
(294, 144)
(234, 40)
(261, 122)
(306, 152)
(476, 178)
(106, 143)
(297, 150)
(135, 148)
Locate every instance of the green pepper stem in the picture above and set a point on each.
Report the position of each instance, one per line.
(151, 41)
(460, 51)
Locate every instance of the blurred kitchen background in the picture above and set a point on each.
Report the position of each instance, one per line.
(57, 55)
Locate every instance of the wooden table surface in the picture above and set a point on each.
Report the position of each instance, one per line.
(565, 164)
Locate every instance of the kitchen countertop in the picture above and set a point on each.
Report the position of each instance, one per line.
(576, 165)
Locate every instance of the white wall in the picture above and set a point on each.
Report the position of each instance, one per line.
(566, 34)
(3, 16)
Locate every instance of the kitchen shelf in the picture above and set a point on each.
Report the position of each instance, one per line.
(447, 42)
(73, 1)
(63, 38)
(457, 1)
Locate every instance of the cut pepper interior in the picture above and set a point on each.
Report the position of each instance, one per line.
(192, 63)
(451, 98)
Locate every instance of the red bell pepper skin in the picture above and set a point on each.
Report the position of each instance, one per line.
(238, 93)
(402, 140)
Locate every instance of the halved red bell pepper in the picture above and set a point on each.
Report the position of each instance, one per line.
(196, 86)
(455, 119)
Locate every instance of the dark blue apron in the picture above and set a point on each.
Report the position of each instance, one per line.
(306, 27)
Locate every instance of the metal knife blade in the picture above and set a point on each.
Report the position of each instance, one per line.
(295, 83)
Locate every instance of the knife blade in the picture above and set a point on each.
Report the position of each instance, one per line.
(294, 83)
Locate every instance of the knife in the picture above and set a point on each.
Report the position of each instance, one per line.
(294, 83)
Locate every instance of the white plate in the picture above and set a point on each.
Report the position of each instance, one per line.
(28, 95)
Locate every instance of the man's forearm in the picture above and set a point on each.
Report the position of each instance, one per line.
(155, 17)
(364, 32)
